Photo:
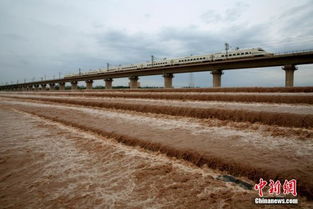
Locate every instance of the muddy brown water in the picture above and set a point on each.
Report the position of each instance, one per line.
(50, 164)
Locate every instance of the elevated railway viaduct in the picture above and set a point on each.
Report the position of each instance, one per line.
(287, 61)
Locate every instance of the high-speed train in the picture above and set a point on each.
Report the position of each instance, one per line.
(233, 54)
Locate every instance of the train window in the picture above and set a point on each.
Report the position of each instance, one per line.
(222, 55)
(246, 53)
(230, 55)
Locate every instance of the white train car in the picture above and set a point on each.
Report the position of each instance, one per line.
(232, 54)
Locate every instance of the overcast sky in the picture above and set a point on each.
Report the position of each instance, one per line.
(41, 38)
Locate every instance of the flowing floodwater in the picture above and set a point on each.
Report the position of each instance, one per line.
(50, 164)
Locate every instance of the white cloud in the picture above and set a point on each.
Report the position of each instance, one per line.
(45, 37)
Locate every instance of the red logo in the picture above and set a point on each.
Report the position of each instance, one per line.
(289, 187)
(274, 187)
(260, 187)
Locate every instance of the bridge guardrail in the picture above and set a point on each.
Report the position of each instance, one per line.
(293, 51)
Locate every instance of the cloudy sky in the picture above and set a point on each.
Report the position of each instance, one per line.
(42, 38)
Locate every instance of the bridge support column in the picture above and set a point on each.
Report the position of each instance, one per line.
(74, 85)
(89, 84)
(43, 87)
(108, 83)
(168, 80)
(133, 82)
(289, 75)
(52, 86)
(217, 78)
(62, 86)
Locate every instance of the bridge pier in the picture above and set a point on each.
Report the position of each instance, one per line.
(108, 83)
(52, 86)
(62, 86)
(43, 87)
(289, 75)
(89, 84)
(168, 80)
(217, 78)
(74, 85)
(133, 82)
